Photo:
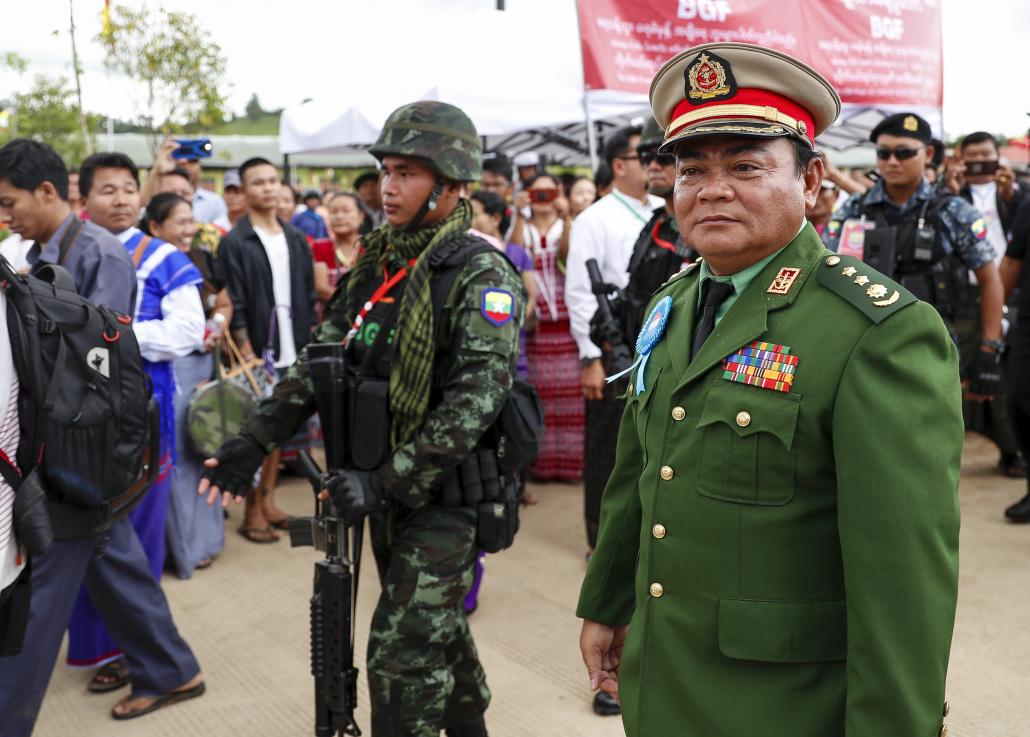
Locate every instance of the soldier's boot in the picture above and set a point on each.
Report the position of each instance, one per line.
(476, 728)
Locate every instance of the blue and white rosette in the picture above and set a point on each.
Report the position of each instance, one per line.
(650, 334)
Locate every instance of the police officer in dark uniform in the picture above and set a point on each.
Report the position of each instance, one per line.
(432, 368)
(929, 242)
(659, 251)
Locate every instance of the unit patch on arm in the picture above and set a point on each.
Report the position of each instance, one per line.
(497, 306)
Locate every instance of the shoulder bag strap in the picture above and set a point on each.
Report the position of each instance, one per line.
(67, 239)
(141, 247)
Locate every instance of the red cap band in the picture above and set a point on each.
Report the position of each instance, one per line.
(747, 96)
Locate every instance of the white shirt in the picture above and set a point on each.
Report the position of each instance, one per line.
(15, 249)
(985, 200)
(209, 207)
(181, 329)
(605, 231)
(279, 259)
(10, 564)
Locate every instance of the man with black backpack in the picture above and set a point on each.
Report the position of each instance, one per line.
(430, 317)
(105, 555)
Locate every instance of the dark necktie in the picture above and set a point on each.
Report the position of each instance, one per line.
(716, 294)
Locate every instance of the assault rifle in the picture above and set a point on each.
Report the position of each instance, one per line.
(336, 577)
(604, 328)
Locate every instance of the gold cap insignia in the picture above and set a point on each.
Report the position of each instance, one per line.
(910, 123)
(709, 77)
(784, 280)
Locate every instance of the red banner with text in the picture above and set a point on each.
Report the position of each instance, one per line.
(874, 52)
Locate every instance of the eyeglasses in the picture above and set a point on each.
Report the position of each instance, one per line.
(646, 157)
(901, 153)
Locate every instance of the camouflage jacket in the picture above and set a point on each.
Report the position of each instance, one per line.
(962, 228)
(481, 356)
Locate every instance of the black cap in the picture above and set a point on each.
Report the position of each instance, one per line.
(907, 125)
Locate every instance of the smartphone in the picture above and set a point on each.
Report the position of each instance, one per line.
(977, 168)
(193, 148)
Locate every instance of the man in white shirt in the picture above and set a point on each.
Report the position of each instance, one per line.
(267, 266)
(606, 231)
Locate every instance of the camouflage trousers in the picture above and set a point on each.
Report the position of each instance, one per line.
(423, 670)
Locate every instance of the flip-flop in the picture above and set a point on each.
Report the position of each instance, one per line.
(281, 524)
(117, 670)
(259, 535)
(159, 702)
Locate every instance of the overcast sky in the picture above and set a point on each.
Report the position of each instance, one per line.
(286, 53)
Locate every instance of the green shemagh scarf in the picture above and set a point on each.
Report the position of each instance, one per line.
(412, 369)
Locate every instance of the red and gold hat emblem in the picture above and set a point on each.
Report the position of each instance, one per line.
(709, 77)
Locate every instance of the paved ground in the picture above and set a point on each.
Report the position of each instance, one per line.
(246, 618)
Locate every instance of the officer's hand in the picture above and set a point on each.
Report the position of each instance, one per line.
(984, 376)
(592, 378)
(601, 647)
(231, 471)
(356, 494)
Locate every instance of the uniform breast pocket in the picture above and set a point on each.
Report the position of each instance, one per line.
(748, 448)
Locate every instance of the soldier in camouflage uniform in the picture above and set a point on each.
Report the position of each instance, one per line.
(423, 670)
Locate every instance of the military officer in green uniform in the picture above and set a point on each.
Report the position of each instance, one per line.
(778, 550)
(448, 371)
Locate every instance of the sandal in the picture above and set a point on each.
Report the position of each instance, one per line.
(159, 702)
(260, 535)
(110, 677)
(280, 524)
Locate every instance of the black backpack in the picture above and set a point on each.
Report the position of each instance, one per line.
(88, 418)
(520, 426)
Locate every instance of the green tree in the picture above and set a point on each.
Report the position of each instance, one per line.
(175, 60)
(47, 112)
(254, 110)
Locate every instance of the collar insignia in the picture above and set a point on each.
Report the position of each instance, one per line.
(784, 280)
(708, 77)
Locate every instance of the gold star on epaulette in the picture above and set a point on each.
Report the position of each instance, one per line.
(849, 271)
(862, 280)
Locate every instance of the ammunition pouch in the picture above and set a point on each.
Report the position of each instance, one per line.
(477, 483)
(910, 251)
(368, 416)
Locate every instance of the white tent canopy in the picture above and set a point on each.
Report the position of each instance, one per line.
(517, 75)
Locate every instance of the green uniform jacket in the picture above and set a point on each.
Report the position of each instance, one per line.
(787, 562)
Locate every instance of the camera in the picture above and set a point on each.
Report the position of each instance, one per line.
(541, 196)
(193, 148)
(977, 168)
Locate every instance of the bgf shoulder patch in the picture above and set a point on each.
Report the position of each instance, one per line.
(872, 293)
(497, 306)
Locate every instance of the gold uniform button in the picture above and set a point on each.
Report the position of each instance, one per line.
(947, 708)
(743, 418)
(657, 590)
(678, 413)
(944, 731)
(666, 473)
(658, 531)
(832, 260)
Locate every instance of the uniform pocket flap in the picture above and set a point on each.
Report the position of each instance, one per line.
(748, 410)
(783, 631)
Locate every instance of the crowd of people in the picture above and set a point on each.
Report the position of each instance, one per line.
(257, 265)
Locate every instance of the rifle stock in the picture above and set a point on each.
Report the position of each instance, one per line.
(607, 327)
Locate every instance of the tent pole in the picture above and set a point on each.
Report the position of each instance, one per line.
(286, 167)
(591, 134)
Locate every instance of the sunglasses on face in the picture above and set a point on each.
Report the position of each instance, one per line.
(901, 153)
(646, 157)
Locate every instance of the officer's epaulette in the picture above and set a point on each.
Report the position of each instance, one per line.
(689, 269)
(872, 293)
